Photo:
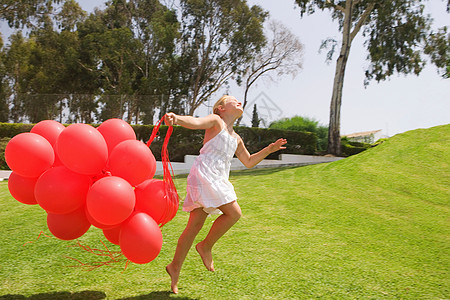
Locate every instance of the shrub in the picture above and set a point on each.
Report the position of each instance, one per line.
(12, 129)
(189, 142)
(304, 124)
(349, 148)
(3, 142)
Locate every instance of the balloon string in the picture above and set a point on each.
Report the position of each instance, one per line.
(114, 257)
(171, 194)
(40, 233)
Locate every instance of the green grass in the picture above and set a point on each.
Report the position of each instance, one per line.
(372, 226)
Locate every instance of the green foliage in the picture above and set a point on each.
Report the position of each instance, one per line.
(188, 142)
(374, 225)
(298, 142)
(20, 13)
(10, 130)
(438, 48)
(349, 148)
(3, 142)
(298, 123)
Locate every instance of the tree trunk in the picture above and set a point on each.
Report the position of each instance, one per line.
(334, 136)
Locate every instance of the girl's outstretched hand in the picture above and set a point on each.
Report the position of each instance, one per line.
(278, 145)
(170, 119)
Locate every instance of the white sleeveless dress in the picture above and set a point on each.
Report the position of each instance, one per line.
(208, 184)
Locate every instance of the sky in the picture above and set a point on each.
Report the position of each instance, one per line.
(397, 105)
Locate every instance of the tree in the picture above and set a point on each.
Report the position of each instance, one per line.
(133, 42)
(16, 59)
(280, 54)
(20, 13)
(396, 33)
(255, 117)
(4, 87)
(217, 39)
(298, 123)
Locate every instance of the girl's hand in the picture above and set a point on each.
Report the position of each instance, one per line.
(170, 119)
(278, 145)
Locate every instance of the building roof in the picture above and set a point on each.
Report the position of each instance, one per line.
(359, 134)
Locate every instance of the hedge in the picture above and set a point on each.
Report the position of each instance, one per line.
(349, 148)
(188, 142)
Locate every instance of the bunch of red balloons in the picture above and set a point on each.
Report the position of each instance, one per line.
(83, 176)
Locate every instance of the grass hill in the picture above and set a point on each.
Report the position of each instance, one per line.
(374, 225)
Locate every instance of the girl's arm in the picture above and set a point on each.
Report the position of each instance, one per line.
(192, 122)
(252, 160)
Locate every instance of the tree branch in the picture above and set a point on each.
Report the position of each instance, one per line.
(362, 20)
(336, 6)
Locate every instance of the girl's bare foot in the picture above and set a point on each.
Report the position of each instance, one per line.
(206, 256)
(174, 275)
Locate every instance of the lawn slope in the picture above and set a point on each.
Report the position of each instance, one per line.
(374, 225)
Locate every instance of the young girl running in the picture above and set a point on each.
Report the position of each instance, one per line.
(208, 189)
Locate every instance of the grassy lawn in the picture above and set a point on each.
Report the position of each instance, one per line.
(372, 226)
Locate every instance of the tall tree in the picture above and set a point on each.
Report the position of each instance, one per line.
(395, 33)
(4, 86)
(255, 118)
(218, 38)
(17, 65)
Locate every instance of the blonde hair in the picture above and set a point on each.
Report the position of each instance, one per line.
(222, 101)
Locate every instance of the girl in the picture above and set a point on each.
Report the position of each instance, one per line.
(208, 189)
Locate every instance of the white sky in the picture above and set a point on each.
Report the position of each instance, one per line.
(400, 104)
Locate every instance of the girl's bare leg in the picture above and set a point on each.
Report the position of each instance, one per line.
(197, 218)
(231, 214)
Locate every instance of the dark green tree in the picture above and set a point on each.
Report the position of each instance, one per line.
(395, 37)
(4, 87)
(255, 118)
(17, 65)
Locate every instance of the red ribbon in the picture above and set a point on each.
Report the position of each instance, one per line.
(171, 194)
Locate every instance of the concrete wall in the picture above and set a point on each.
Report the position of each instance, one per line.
(285, 160)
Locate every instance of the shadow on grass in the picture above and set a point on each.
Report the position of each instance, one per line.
(88, 295)
(161, 295)
(91, 295)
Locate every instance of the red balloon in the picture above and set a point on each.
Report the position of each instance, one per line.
(110, 200)
(133, 161)
(68, 226)
(112, 234)
(97, 224)
(22, 188)
(49, 129)
(60, 190)
(29, 154)
(116, 131)
(140, 238)
(151, 199)
(82, 149)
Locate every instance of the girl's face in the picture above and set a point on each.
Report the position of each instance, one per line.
(233, 105)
